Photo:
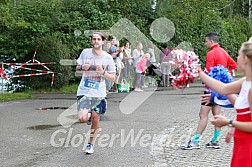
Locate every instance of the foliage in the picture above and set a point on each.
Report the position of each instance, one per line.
(193, 19)
(51, 49)
(236, 8)
(51, 26)
(237, 30)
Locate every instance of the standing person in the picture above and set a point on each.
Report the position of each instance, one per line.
(127, 60)
(119, 65)
(140, 71)
(243, 104)
(216, 56)
(164, 59)
(113, 51)
(164, 52)
(96, 66)
(152, 65)
(137, 56)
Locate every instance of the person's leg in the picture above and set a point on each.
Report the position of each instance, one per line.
(93, 132)
(84, 115)
(138, 82)
(99, 106)
(194, 142)
(94, 127)
(216, 111)
(142, 80)
(135, 78)
(168, 69)
(127, 70)
(163, 73)
(124, 71)
(111, 86)
(83, 106)
(150, 74)
(118, 80)
(203, 114)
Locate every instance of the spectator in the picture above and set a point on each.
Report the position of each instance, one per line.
(140, 70)
(127, 60)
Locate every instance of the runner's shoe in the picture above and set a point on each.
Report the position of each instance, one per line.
(211, 144)
(190, 145)
(89, 149)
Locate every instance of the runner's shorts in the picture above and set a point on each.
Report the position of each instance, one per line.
(98, 104)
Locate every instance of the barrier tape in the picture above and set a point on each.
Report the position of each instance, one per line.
(28, 64)
(33, 62)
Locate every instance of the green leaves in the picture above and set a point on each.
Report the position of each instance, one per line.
(24, 22)
(193, 19)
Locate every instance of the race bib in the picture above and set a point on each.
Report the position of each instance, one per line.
(91, 84)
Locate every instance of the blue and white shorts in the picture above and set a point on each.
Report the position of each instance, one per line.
(97, 104)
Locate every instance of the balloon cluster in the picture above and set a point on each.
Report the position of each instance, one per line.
(187, 62)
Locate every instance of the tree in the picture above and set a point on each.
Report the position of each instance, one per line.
(193, 19)
(24, 23)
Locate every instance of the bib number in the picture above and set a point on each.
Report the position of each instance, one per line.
(91, 84)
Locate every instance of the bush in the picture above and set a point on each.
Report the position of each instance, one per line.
(51, 49)
(193, 19)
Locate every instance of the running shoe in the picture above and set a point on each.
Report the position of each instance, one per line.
(211, 144)
(89, 149)
(190, 145)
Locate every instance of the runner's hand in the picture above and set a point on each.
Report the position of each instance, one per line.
(219, 121)
(86, 67)
(99, 69)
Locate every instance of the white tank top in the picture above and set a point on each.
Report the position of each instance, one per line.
(242, 100)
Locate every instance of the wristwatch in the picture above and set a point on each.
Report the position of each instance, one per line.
(230, 123)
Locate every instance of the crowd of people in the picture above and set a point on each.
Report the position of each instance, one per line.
(103, 69)
(131, 65)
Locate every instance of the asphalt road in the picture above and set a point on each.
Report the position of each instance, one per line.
(140, 129)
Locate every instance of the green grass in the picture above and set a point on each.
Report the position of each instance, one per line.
(15, 96)
(29, 94)
(69, 89)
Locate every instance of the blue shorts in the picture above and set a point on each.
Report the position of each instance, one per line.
(98, 104)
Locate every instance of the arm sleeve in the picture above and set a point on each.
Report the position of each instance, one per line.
(209, 62)
(161, 57)
(81, 58)
(111, 65)
(135, 56)
(232, 66)
(141, 65)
